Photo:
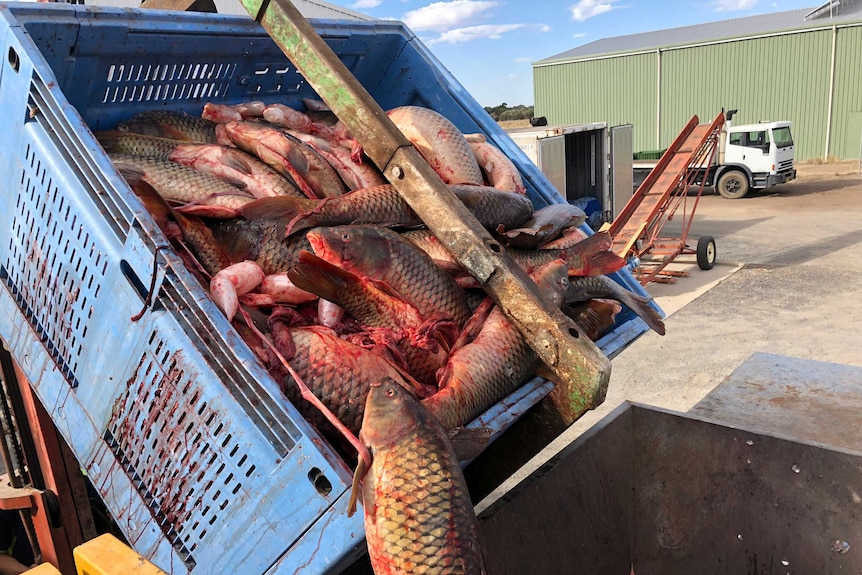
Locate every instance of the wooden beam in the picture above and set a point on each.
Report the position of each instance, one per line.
(181, 5)
(63, 518)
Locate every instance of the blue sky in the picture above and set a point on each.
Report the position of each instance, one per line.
(489, 44)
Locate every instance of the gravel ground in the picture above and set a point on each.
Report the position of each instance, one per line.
(797, 293)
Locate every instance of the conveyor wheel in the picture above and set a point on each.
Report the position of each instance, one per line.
(705, 252)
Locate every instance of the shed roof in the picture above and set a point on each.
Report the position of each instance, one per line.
(731, 28)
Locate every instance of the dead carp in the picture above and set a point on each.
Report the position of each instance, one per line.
(545, 225)
(418, 513)
(494, 364)
(585, 258)
(589, 257)
(382, 205)
(337, 371)
(196, 192)
(595, 316)
(274, 149)
(382, 254)
(119, 142)
(232, 164)
(169, 124)
(261, 240)
(390, 319)
(440, 142)
(499, 170)
(584, 288)
(355, 174)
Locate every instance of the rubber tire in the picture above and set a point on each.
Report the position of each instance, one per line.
(706, 252)
(732, 185)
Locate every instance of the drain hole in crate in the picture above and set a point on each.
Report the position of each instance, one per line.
(14, 61)
(320, 482)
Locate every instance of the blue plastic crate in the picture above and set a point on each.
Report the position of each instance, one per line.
(203, 463)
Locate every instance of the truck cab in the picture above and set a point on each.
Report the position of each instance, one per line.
(754, 156)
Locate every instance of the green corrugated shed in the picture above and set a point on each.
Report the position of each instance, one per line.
(810, 75)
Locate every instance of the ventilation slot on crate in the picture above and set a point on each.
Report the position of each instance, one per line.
(54, 269)
(274, 78)
(160, 82)
(261, 410)
(179, 453)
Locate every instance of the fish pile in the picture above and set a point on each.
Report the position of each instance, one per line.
(333, 280)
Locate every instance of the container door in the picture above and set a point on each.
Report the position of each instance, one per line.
(552, 161)
(620, 177)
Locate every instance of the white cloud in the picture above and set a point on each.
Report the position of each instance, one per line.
(579, 35)
(586, 9)
(443, 16)
(469, 33)
(523, 59)
(366, 4)
(545, 28)
(733, 5)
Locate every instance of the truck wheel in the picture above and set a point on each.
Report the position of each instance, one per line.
(732, 185)
(705, 252)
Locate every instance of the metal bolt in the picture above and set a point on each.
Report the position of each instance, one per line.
(398, 172)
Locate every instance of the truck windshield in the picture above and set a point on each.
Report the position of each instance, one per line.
(782, 137)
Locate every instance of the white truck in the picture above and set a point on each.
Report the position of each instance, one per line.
(750, 157)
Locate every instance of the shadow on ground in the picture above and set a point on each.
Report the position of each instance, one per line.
(810, 251)
(717, 228)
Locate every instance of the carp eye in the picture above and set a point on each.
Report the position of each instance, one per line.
(390, 392)
(345, 237)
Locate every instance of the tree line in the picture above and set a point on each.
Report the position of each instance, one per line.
(503, 112)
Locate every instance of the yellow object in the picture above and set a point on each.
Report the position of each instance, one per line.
(43, 569)
(107, 555)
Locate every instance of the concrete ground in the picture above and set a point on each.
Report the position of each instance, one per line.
(786, 282)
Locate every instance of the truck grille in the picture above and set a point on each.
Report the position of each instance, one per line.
(785, 165)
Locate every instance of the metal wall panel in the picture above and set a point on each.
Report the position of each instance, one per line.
(615, 91)
(779, 77)
(848, 95)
